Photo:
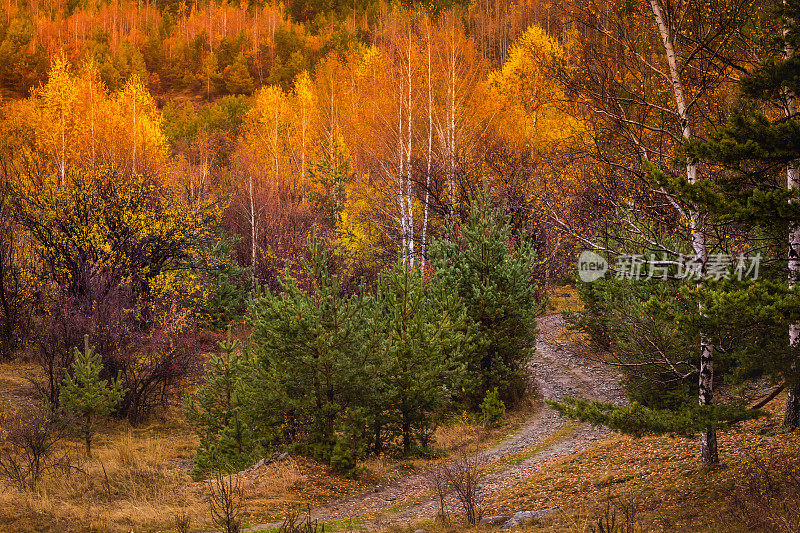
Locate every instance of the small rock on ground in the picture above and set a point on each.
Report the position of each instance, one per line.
(532, 515)
(493, 520)
(514, 522)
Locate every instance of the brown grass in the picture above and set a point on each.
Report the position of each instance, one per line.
(133, 478)
(660, 478)
(563, 298)
(458, 435)
(138, 480)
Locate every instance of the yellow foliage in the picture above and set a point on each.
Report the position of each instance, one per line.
(73, 123)
(355, 232)
(532, 104)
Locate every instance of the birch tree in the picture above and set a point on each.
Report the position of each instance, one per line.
(708, 438)
(684, 52)
(59, 96)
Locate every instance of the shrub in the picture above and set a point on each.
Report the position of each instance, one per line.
(492, 408)
(293, 523)
(343, 460)
(29, 446)
(462, 478)
(105, 243)
(766, 493)
(227, 502)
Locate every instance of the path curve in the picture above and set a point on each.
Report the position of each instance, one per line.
(556, 372)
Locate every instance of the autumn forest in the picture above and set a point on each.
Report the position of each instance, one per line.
(259, 256)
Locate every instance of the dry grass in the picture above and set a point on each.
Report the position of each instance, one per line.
(659, 478)
(456, 436)
(133, 478)
(466, 433)
(15, 386)
(563, 298)
(138, 480)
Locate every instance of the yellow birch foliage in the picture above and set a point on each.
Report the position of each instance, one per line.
(73, 123)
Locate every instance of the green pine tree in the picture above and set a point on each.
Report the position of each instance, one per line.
(330, 174)
(492, 273)
(423, 350)
(230, 282)
(492, 408)
(85, 395)
(315, 362)
(648, 327)
(759, 191)
(237, 77)
(217, 414)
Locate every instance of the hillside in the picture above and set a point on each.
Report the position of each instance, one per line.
(536, 460)
(395, 265)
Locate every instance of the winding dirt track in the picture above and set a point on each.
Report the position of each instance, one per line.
(556, 372)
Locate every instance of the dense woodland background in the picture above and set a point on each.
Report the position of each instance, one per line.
(382, 194)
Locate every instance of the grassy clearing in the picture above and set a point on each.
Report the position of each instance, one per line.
(138, 478)
(658, 481)
(133, 478)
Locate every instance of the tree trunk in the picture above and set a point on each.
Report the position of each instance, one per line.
(708, 445)
(708, 438)
(430, 155)
(378, 445)
(252, 234)
(134, 133)
(88, 435)
(7, 325)
(792, 412)
(406, 432)
(409, 190)
(791, 418)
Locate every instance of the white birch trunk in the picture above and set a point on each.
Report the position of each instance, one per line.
(253, 222)
(409, 186)
(430, 155)
(303, 144)
(399, 178)
(63, 165)
(451, 150)
(134, 135)
(275, 146)
(91, 112)
(708, 438)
